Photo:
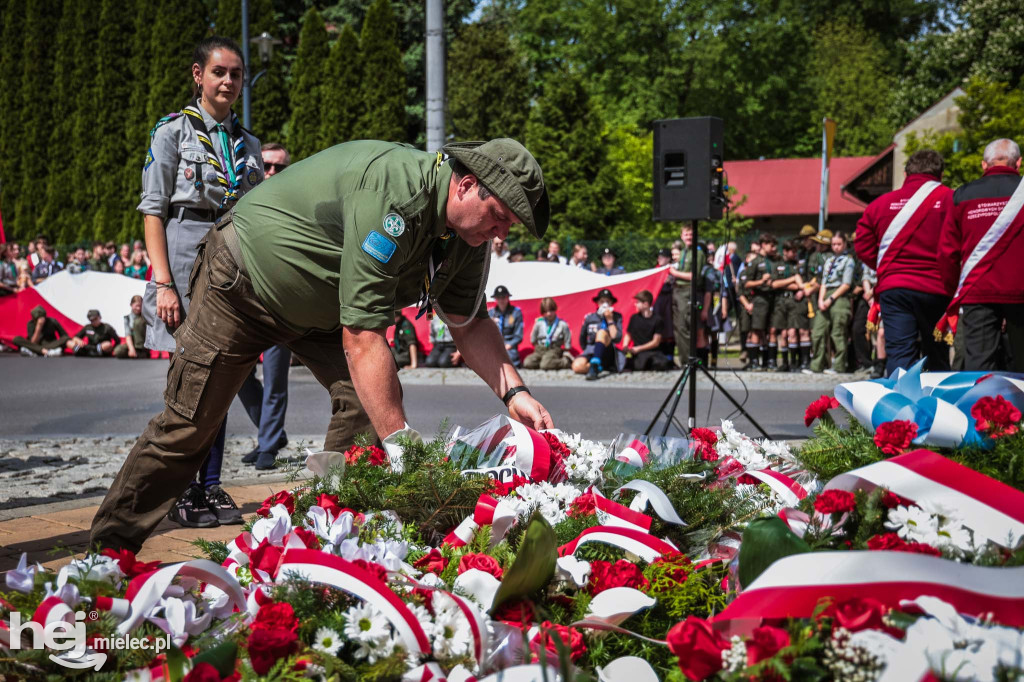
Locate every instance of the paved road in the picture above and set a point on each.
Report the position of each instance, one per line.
(43, 397)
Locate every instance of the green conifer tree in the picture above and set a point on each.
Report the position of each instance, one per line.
(488, 85)
(113, 89)
(564, 133)
(270, 105)
(342, 107)
(41, 19)
(10, 120)
(383, 90)
(138, 123)
(229, 19)
(177, 28)
(61, 214)
(84, 189)
(307, 79)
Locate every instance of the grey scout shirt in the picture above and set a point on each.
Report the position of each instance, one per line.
(178, 155)
(838, 270)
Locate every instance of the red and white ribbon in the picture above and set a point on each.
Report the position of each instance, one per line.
(53, 610)
(317, 566)
(785, 487)
(793, 586)
(145, 595)
(640, 543)
(991, 509)
(610, 513)
(499, 514)
(532, 454)
(635, 453)
(119, 608)
(428, 672)
(650, 494)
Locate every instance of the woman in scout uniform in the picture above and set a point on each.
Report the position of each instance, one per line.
(834, 310)
(200, 161)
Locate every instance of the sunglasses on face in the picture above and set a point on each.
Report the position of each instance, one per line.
(276, 167)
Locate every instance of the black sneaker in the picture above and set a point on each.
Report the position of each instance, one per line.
(222, 506)
(191, 509)
(592, 373)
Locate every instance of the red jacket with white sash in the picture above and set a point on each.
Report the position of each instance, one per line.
(976, 206)
(910, 262)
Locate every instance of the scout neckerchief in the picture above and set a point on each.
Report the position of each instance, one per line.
(830, 265)
(910, 216)
(551, 332)
(233, 157)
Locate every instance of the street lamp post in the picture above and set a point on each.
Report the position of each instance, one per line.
(265, 44)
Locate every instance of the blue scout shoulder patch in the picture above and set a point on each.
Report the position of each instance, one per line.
(379, 246)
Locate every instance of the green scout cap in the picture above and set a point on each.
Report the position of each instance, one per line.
(506, 168)
(808, 231)
(92, 313)
(38, 311)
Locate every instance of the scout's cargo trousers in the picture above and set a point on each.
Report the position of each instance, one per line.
(218, 344)
(831, 323)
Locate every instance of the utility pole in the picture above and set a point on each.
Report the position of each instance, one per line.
(435, 75)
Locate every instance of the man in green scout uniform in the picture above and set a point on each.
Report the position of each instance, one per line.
(804, 297)
(134, 345)
(404, 346)
(318, 259)
(43, 335)
(98, 262)
(757, 285)
(833, 315)
(786, 283)
(682, 274)
(822, 243)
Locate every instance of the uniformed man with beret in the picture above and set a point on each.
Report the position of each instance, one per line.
(318, 259)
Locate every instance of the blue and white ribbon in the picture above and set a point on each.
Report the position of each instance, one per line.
(938, 402)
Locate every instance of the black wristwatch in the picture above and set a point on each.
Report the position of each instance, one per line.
(513, 391)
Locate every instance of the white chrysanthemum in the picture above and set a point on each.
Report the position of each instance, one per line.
(776, 448)
(326, 641)
(366, 625)
(912, 523)
(451, 633)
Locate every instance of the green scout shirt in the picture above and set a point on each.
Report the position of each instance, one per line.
(685, 264)
(135, 326)
(783, 269)
(405, 335)
(344, 238)
(815, 264)
(754, 271)
(51, 330)
(99, 265)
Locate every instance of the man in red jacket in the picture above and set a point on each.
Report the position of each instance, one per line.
(898, 236)
(981, 259)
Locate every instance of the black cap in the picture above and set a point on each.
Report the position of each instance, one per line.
(667, 253)
(92, 313)
(607, 293)
(606, 251)
(500, 290)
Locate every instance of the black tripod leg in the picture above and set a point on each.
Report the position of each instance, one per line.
(732, 400)
(672, 391)
(687, 376)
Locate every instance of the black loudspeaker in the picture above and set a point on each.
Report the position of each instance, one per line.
(689, 180)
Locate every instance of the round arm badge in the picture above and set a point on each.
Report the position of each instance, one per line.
(394, 224)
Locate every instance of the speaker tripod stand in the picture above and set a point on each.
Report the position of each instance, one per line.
(690, 368)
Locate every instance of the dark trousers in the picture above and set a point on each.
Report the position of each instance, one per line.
(981, 325)
(267, 402)
(440, 355)
(226, 330)
(859, 332)
(650, 361)
(909, 318)
(42, 346)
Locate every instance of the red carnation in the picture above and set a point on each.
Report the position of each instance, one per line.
(894, 437)
(308, 537)
(675, 565)
(765, 642)
(705, 440)
(891, 500)
(995, 416)
(894, 543)
(481, 562)
(605, 575)
(372, 454)
(819, 409)
(559, 451)
(202, 672)
(698, 646)
(584, 505)
(835, 502)
(329, 503)
(432, 562)
(128, 564)
(276, 616)
(266, 646)
(516, 611)
(283, 497)
(545, 639)
(376, 569)
(499, 489)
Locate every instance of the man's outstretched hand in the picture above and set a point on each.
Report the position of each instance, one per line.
(526, 409)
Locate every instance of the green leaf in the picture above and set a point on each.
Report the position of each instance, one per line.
(175, 664)
(534, 564)
(222, 657)
(765, 541)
